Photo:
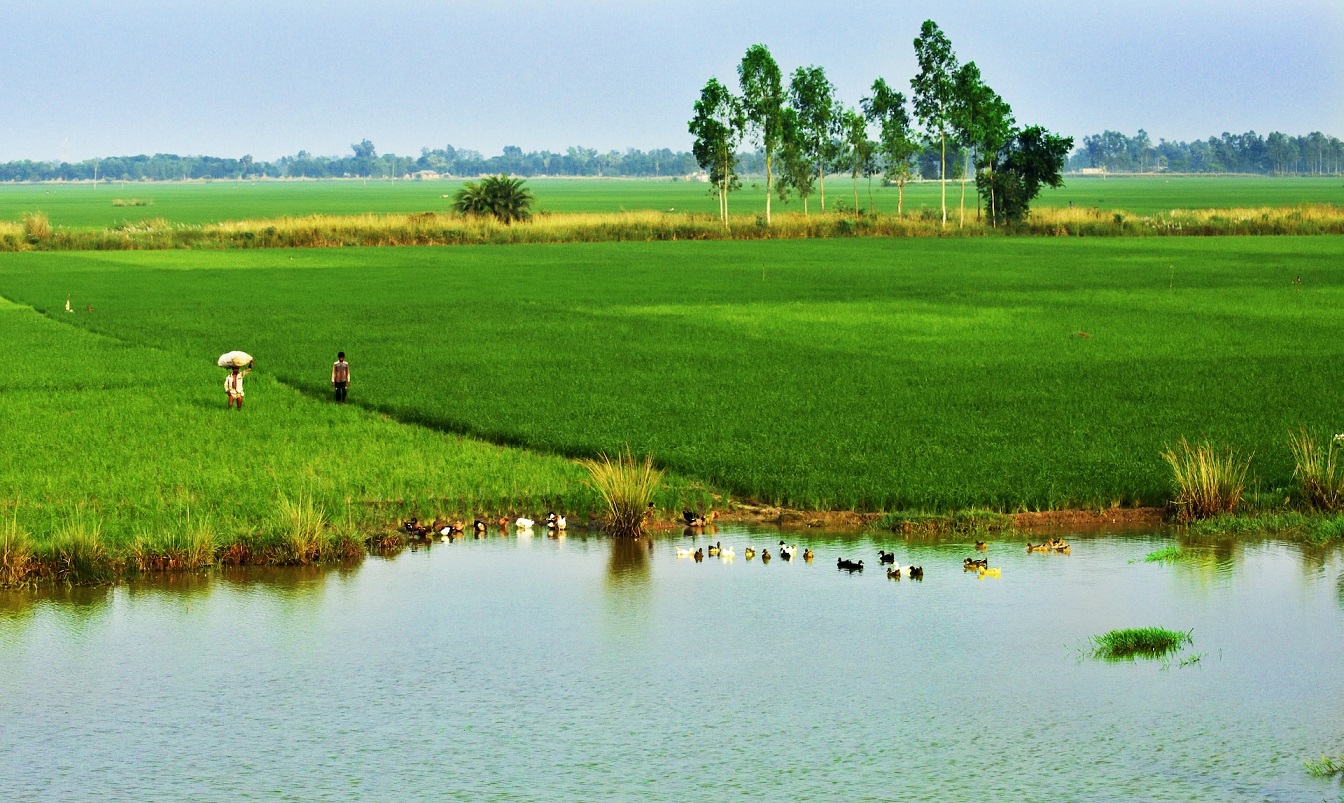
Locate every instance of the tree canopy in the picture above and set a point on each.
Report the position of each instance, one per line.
(503, 198)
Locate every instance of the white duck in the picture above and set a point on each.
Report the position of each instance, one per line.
(523, 524)
(685, 553)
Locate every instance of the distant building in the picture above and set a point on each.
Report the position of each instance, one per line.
(1093, 171)
(425, 175)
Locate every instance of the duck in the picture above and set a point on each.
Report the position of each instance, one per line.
(714, 550)
(685, 552)
(555, 521)
(727, 553)
(523, 523)
(916, 572)
(787, 552)
(893, 573)
(478, 526)
(994, 572)
(749, 553)
(692, 519)
(807, 555)
(971, 564)
(884, 556)
(503, 521)
(848, 565)
(981, 546)
(699, 555)
(765, 556)
(1034, 547)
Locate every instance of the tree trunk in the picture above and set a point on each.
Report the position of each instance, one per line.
(961, 223)
(768, 186)
(821, 179)
(872, 207)
(900, 198)
(856, 192)
(942, 177)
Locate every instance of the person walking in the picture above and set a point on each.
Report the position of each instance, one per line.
(233, 386)
(340, 377)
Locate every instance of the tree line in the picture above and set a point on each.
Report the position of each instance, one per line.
(363, 162)
(1315, 154)
(803, 133)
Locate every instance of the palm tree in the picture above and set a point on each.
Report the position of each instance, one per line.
(501, 197)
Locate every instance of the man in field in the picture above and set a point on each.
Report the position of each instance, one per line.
(340, 377)
(233, 386)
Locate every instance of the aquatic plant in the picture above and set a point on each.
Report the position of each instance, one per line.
(1140, 642)
(1208, 481)
(1318, 474)
(188, 547)
(1326, 767)
(301, 532)
(1166, 554)
(627, 486)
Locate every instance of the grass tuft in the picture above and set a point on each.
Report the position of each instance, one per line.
(1138, 642)
(301, 533)
(1317, 471)
(36, 227)
(1166, 554)
(627, 486)
(78, 554)
(18, 567)
(1208, 481)
(1326, 767)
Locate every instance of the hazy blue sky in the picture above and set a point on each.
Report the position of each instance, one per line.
(82, 79)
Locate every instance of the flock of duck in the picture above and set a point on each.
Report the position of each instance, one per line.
(556, 523)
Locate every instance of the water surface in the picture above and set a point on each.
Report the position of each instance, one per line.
(585, 669)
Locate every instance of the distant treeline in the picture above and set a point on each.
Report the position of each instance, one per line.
(364, 162)
(1315, 154)
(1276, 154)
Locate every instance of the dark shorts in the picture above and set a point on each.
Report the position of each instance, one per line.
(340, 390)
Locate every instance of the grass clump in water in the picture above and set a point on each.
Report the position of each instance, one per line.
(627, 487)
(300, 533)
(189, 548)
(1166, 554)
(1138, 642)
(1326, 767)
(1319, 480)
(1208, 481)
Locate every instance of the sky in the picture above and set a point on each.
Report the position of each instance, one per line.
(203, 77)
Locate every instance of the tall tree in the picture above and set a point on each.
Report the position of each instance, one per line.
(1030, 159)
(982, 122)
(797, 174)
(896, 143)
(812, 96)
(935, 91)
(718, 125)
(763, 104)
(857, 151)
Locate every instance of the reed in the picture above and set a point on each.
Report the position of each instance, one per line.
(18, 567)
(78, 554)
(36, 227)
(1138, 642)
(1319, 479)
(627, 486)
(1167, 554)
(1208, 481)
(301, 535)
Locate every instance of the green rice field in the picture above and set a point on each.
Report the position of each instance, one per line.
(95, 207)
(876, 374)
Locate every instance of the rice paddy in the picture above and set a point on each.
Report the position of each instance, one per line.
(868, 374)
(109, 205)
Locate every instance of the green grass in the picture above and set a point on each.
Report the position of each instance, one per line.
(1138, 642)
(1326, 767)
(95, 207)
(119, 455)
(874, 374)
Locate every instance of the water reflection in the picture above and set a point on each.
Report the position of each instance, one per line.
(628, 565)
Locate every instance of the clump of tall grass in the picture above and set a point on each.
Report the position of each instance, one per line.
(18, 567)
(188, 548)
(1208, 481)
(77, 553)
(1138, 642)
(963, 522)
(627, 486)
(36, 227)
(1317, 473)
(300, 533)
(1326, 767)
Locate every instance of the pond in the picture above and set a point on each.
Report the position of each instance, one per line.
(527, 668)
